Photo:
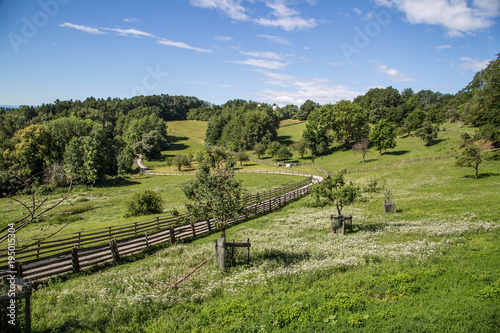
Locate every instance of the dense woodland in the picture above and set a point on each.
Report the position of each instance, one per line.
(93, 139)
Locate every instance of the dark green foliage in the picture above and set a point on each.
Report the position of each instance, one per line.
(346, 121)
(299, 147)
(305, 110)
(428, 132)
(259, 149)
(284, 153)
(273, 149)
(383, 136)
(180, 161)
(144, 203)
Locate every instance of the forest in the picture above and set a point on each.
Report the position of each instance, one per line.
(94, 139)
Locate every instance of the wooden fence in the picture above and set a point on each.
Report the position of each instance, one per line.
(73, 252)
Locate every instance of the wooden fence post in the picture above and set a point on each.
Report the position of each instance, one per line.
(19, 268)
(114, 249)
(172, 235)
(146, 238)
(74, 259)
(209, 225)
(38, 249)
(193, 229)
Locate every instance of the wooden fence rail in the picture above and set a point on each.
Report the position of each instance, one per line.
(41, 259)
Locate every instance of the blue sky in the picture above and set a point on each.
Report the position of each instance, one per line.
(273, 51)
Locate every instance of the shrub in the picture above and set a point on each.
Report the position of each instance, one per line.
(144, 203)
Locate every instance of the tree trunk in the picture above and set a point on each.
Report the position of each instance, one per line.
(477, 171)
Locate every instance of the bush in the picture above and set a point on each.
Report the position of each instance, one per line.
(144, 203)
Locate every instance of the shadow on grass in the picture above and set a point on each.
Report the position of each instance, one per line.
(281, 257)
(174, 143)
(285, 139)
(117, 182)
(481, 175)
(396, 153)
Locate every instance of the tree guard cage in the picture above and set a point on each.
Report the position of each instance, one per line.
(228, 254)
(340, 222)
(389, 206)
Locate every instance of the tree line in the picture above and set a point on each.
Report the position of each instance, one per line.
(96, 138)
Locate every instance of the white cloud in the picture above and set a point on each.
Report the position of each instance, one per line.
(182, 45)
(94, 31)
(266, 55)
(131, 32)
(262, 63)
(457, 16)
(276, 39)
(442, 47)
(298, 90)
(286, 18)
(392, 73)
(131, 20)
(475, 65)
(222, 38)
(231, 8)
(357, 11)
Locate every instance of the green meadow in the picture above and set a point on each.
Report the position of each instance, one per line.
(434, 266)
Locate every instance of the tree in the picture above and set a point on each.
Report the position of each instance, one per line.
(346, 120)
(299, 147)
(428, 132)
(362, 147)
(334, 191)
(32, 150)
(84, 160)
(214, 192)
(383, 136)
(180, 161)
(469, 157)
(305, 110)
(241, 157)
(125, 160)
(273, 148)
(284, 153)
(259, 149)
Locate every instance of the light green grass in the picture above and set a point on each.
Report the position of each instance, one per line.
(105, 206)
(193, 129)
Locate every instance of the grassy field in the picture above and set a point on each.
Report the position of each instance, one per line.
(434, 266)
(104, 206)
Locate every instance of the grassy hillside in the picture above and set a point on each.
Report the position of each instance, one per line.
(433, 266)
(103, 206)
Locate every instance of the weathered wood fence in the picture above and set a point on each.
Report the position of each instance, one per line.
(73, 252)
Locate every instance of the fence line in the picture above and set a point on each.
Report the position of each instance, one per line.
(76, 251)
(383, 166)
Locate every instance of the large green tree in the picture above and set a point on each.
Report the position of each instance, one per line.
(469, 157)
(383, 136)
(347, 121)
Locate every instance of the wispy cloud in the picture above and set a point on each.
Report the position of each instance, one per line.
(182, 45)
(130, 32)
(266, 55)
(457, 16)
(231, 8)
(442, 47)
(135, 33)
(286, 18)
(357, 11)
(474, 65)
(131, 20)
(222, 38)
(262, 63)
(90, 30)
(294, 90)
(392, 73)
(276, 39)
